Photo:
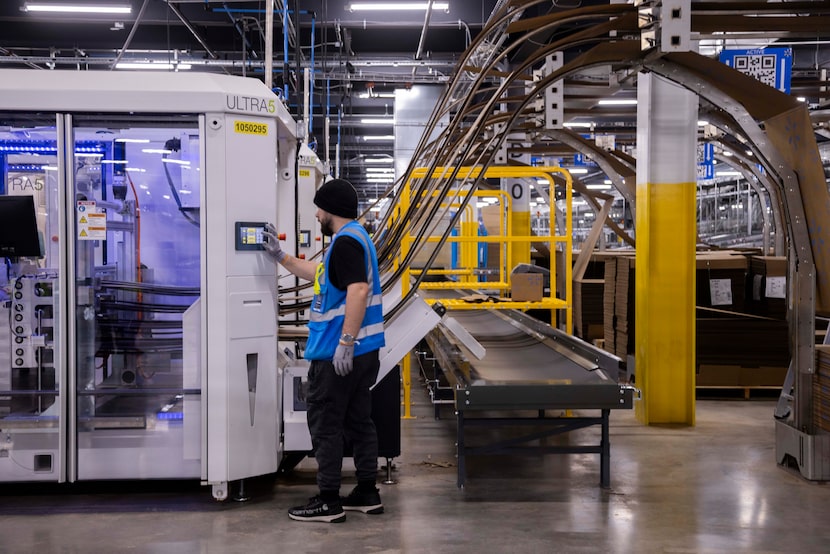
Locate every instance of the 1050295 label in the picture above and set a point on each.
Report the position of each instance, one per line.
(250, 128)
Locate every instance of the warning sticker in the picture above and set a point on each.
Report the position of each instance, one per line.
(92, 221)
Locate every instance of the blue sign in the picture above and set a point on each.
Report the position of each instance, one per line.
(705, 172)
(771, 66)
(706, 161)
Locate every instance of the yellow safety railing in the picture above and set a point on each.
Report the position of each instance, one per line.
(469, 241)
(506, 238)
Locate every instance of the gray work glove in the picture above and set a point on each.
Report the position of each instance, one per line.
(272, 243)
(343, 359)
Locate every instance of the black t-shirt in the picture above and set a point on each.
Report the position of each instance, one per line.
(347, 263)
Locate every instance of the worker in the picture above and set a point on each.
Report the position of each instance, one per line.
(345, 333)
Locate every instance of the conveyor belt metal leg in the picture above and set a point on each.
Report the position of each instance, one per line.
(389, 480)
(605, 454)
(462, 470)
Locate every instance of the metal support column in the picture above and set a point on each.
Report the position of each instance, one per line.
(665, 262)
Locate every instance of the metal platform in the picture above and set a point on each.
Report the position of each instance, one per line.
(528, 366)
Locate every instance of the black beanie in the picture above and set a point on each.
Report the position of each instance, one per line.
(337, 197)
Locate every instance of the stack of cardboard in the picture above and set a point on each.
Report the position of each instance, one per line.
(721, 280)
(821, 388)
(618, 305)
(588, 308)
(738, 339)
(608, 294)
(767, 286)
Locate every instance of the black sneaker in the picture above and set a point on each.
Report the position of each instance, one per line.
(319, 510)
(361, 501)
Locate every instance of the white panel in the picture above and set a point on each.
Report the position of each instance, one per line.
(413, 109)
(252, 447)
(243, 406)
(404, 331)
(192, 346)
(251, 314)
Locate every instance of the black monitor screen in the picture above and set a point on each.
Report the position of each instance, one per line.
(18, 227)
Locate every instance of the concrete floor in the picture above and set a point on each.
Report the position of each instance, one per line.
(711, 488)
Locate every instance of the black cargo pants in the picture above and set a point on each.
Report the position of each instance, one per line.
(341, 408)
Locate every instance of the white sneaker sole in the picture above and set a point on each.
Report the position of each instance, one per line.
(375, 509)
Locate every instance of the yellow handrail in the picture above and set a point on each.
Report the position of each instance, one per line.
(468, 259)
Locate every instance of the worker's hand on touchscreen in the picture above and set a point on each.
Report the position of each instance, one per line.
(272, 243)
(343, 359)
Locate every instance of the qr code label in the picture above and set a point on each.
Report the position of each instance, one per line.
(762, 67)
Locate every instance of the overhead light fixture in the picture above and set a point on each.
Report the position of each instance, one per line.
(577, 170)
(598, 187)
(164, 66)
(379, 137)
(618, 102)
(728, 174)
(156, 151)
(396, 6)
(43, 7)
(378, 121)
(381, 170)
(380, 179)
(132, 140)
(378, 160)
(580, 124)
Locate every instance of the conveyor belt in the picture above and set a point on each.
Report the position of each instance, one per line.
(515, 354)
(528, 366)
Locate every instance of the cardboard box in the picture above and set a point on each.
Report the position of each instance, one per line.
(718, 376)
(763, 376)
(527, 287)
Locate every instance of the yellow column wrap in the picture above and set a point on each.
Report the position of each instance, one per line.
(665, 302)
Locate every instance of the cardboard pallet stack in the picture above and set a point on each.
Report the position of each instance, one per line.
(608, 298)
(588, 306)
(733, 347)
(588, 292)
(721, 280)
(767, 286)
(618, 305)
(821, 388)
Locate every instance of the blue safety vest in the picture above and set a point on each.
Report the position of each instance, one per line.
(328, 308)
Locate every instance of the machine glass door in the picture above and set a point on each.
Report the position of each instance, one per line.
(135, 220)
(30, 383)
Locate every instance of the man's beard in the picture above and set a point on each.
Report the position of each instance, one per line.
(325, 227)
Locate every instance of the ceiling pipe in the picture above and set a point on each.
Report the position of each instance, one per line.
(269, 45)
(175, 9)
(422, 40)
(131, 35)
